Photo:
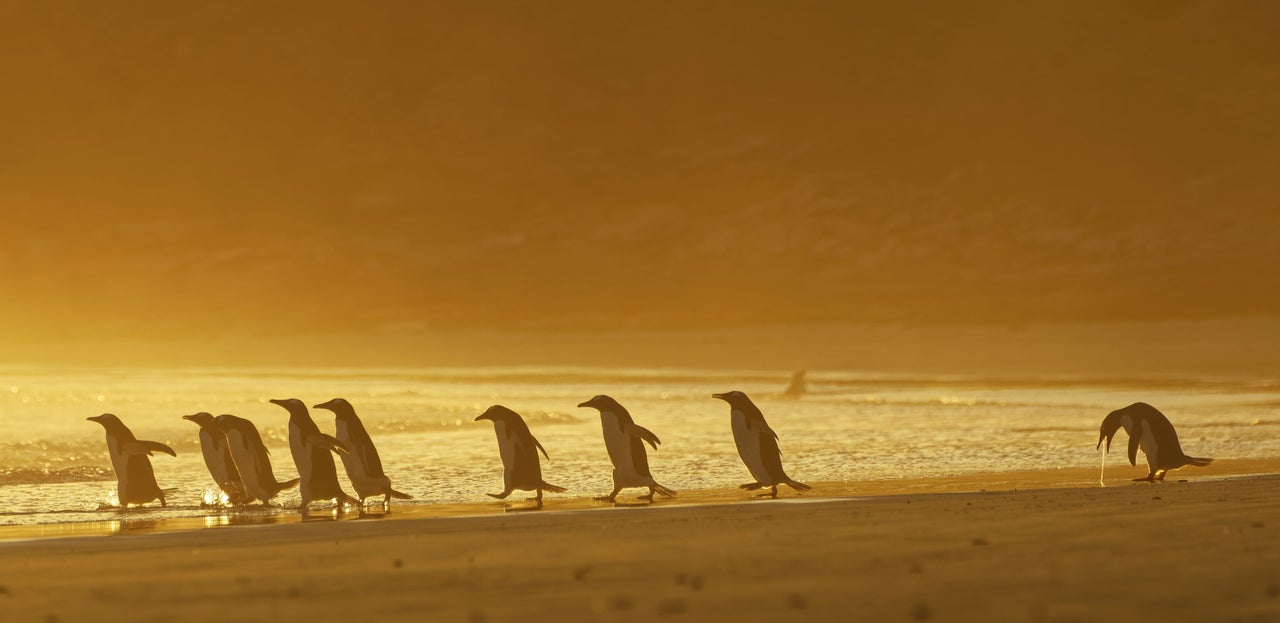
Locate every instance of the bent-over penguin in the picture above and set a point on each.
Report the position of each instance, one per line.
(217, 457)
(624, 440)
(364, 467)
(519, 451)
(311, 454)
(757, 445)
(1150, 430)
(135, 480)
(252, 458)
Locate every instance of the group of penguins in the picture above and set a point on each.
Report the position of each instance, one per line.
(240, 464)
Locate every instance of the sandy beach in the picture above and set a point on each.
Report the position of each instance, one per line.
(1040, 546)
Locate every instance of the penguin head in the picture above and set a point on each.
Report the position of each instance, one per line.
(1110, 425)
(293, 405)
(602, 402)
(202, 418)
(735, 398)
(340, 407)
(109, 422)
(498, 413)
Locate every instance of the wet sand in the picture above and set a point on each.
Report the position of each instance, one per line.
(1050, 546)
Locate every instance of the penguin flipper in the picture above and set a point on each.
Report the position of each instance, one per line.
(636, 430)
(147, 447)
(326, 441)
(1134, 438)
(537, 444)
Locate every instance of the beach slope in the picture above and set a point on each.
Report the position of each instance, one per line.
(1203, 550)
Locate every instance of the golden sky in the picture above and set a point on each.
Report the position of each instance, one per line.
(236, 169)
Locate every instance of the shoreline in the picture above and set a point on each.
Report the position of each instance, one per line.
(982, 482)
(1204, 549)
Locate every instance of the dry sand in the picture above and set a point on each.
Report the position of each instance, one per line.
(1207, 549)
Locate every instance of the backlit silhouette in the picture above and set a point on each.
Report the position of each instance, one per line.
(218, 458)
(253, 460)
(757, 445)
(624, 440)
(1150, 430)
(363, 465)
(135, 480)
(311, 454)
(519, 449)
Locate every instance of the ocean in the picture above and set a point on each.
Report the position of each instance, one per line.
(850, 426)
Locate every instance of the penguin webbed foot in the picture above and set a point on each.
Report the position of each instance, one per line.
(647, 498)
(499, 496)
(1147, 478)
(605, 498)
(751, 486)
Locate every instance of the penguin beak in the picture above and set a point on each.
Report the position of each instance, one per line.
(720, 396)
(1107, 438)
(324, 405)
(190, 418)
(96, 418)
(276, 401)
(482, 416)
(585, 404)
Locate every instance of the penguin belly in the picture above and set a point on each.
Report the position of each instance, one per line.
(365, 484)
(246, 460)
(748, 442)
(221, 466)
(521, 469)
(302, 460)
(1150, 448)
(622, 452)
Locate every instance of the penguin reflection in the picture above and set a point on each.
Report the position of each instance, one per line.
(757, 445)
(135, 480)
(519, 450)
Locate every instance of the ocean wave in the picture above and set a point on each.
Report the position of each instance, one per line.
(47, 475)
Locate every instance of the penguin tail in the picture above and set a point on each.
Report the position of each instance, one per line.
(663, 490)
(546, 486)
(1197, 462)
(400, 496)
(798, 486)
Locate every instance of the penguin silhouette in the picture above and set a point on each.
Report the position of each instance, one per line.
(757, 445)
(519, 451)
(135, 480)
(1150, 430)
(624, 440)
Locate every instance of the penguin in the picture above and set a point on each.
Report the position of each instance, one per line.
(252, 459)
(757, 445)
(311, 454)
(135, 480)
(1150, 430)
(364, 468)
(217, 457)
(519, 451)
(625, 440)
